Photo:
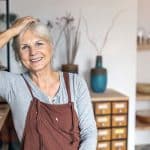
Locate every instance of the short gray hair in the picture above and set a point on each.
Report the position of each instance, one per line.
(39, 28)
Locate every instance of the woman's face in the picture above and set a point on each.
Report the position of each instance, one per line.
(35, 52)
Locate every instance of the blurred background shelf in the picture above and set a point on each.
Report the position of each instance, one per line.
(142, 126)
(143, 47)
(142, 97)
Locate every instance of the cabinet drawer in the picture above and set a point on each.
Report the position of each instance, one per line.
(119, 133)
(119, 120)
(102, 108)
(103, 146)
(103, 121)
(104, 134)
(119, 107)
(119, 145)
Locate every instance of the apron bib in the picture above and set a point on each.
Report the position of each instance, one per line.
(51, 127)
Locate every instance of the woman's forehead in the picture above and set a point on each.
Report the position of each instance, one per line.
(30, 35)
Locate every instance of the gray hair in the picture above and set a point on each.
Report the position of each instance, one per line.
(39, 28)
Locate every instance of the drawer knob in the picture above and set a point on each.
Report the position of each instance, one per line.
(120, 123)
(120, 110)
(102, 124)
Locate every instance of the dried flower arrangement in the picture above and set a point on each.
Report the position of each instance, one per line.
(71, 34)
(95, 45)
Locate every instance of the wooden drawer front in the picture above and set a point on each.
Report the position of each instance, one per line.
(119, 145)
(103, 121)
(119, 107)
(104, 134)
(119, 120)
(103, 108)
(103, 146)
(119, 133)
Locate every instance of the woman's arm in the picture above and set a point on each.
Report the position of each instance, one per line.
(15, 29)
(87, 124)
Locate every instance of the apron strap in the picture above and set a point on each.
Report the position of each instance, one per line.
(28, 85)
(66, 78)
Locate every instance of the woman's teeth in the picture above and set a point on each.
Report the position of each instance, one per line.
(36, 59)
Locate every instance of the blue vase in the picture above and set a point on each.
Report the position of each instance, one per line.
(98, 76)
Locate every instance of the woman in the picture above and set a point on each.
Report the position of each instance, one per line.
(51, 110)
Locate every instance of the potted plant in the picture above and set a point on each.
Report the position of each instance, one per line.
(71, 34)
(98, 76)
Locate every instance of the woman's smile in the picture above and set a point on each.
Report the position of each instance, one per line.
(34, 60)
(35, 51)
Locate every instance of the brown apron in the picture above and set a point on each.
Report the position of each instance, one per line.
(51, 127)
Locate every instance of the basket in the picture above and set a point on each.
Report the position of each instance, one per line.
(143, 88)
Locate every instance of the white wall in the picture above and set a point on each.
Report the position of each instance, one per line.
(143, 71)
(120, 51)
(143, 61)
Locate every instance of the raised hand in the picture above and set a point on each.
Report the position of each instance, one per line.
(15, 29)
(21, 23)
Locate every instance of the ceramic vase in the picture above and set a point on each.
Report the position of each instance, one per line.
(98, 76)
(72, 68)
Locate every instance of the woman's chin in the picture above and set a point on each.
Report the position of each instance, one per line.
(36, 68)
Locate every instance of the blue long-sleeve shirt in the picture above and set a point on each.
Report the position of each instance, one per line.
(15, 91)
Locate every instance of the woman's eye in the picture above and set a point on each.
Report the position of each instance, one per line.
(26, 47)
(39, 44)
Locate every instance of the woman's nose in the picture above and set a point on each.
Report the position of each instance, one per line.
(32, 50)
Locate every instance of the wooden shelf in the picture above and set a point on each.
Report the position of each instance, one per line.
(142, 47)
(142, 126)
(4, 110)
(108, 95)
(142, 97)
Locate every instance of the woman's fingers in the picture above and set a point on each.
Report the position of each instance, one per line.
(21, 23)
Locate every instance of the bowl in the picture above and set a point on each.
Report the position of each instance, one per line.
(143, 116)
(143, 88)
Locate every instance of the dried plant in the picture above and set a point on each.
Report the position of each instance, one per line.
(71, 34)
(99, 50)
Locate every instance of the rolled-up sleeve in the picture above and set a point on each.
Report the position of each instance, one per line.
(87, 124)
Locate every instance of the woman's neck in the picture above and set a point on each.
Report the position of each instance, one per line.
(44, 77)
(48, 82)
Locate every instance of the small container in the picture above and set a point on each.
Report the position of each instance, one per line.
(140, 36)
(148, 38)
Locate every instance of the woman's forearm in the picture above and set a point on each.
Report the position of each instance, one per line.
(5, 37)
(15, 29)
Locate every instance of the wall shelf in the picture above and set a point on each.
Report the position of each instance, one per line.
(143, 47)
(142, 97)
(142, 126)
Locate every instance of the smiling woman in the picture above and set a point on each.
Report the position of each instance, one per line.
(48, 106)
(33, 45)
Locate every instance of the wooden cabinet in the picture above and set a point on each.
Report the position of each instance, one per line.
(8, 135)
(111, 115)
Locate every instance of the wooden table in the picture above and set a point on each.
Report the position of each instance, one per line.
(4, 111)
(4, 114)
